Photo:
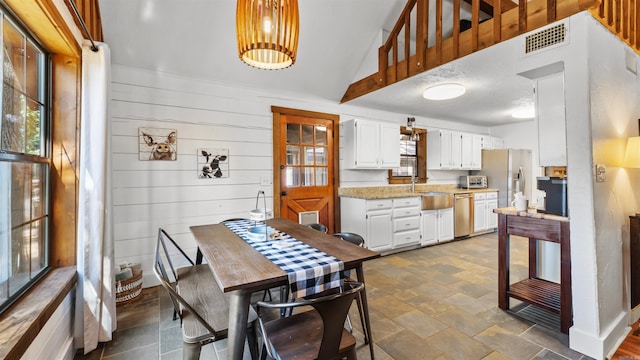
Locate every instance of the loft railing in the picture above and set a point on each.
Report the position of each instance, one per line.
(621, 17)
(415, 46)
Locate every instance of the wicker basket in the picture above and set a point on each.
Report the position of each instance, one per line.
(128, 290)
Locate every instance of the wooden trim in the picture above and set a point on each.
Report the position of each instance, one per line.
(45, 22)
(22, 322)
(65, 113)
(422, 160)
(277, 111)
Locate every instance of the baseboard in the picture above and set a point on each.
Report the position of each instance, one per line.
(635, 315)
(598, 347)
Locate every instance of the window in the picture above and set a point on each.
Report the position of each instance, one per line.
(413, 153)
(24, 162)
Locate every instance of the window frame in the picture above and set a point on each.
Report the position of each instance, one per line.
(421, 154)
(46, 133)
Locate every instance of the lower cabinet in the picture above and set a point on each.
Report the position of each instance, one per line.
(369, 218)
(483, 217)
(437, 226)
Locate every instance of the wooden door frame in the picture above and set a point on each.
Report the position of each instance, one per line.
(276, 112)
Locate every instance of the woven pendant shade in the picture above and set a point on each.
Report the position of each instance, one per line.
(267, 32)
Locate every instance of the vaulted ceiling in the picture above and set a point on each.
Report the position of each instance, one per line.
(338, 38)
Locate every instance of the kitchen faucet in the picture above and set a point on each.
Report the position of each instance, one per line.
(413, 181)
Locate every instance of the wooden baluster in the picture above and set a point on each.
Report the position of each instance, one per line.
(383, 64)
(422, 33)
(394, 59)
(497, 21)
(456, 28)
(551, 11)
(407, 43)
(475, 23)
(625, 20)
(439, 31)
(609, 12)
(522, 17)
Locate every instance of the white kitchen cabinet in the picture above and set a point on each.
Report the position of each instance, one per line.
(471, 151)
(437, 226)
(406, 222)
(372, 219)
(550, 115)
(492, 142)
(371, 144)
(444, 150)
(492, 218)
(483, 217)
(452, 150)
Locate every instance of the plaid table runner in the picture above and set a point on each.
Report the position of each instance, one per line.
(310, 270)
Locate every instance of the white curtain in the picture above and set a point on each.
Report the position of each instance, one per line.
(95, 298)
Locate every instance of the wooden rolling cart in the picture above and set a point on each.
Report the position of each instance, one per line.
(545, 294)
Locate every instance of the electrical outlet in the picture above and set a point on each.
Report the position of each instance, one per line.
(265, 180)
(601, 173)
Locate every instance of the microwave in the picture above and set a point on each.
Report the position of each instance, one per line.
(473, 182)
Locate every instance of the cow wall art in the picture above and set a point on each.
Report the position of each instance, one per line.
(157, 144)
(213, 163)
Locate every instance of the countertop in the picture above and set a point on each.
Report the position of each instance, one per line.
(532, 213)
(389, 192)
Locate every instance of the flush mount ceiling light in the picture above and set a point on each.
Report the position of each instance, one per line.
(267, 32)
(527, 113)
(444, 91)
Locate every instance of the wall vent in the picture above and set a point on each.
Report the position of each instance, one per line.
(545, 38)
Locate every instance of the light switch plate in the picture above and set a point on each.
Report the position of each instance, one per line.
(601, 173)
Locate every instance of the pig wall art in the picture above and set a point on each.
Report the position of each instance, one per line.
(157, 144)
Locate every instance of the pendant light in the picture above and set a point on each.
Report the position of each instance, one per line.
(267, 32)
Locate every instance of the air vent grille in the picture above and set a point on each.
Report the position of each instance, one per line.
(545, 38)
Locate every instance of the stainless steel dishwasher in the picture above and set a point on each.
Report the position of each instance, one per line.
(462, 209)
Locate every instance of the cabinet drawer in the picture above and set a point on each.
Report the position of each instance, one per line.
(480, 196)
(406, 212)
(379, 204)
(404, 224)
(406, 238)
(492, 195)
(406, 202)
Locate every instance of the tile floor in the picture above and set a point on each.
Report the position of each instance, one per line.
(438, 302)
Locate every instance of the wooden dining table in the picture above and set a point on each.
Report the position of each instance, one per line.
(240, 270)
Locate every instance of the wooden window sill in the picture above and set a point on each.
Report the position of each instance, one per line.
(22, 322)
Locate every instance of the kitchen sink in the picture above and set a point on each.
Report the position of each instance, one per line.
(434, 200)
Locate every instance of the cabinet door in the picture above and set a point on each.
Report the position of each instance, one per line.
(389, 146)
(456, 150)
(379, 231)
(445, 150)
(550, 113)
(479, 215)
(476, 152)
(466, 149)
(492, 219)
(367, 144)
(445, 224)
(429, 227)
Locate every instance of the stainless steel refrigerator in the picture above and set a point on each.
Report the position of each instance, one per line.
(509, 171)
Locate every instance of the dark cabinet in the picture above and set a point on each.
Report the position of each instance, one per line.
(634, 249)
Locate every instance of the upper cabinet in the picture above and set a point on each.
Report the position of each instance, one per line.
(550, 113)
(452, 150)
(371, 144)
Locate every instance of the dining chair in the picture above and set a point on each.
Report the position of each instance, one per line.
(202, 307)
(318, 227)
(357, 240)
(315, 334)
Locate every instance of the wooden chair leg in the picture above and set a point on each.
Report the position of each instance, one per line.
(191, 351)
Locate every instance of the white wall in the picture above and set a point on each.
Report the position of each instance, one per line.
(614, 113)
(55, 340)
(168, 194)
